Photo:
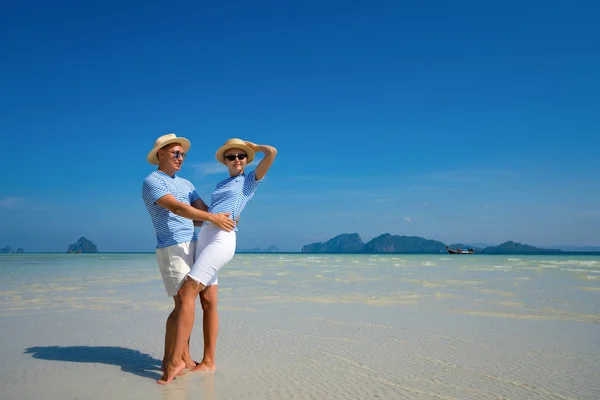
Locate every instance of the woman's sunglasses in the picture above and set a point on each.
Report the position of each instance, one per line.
(238, 156)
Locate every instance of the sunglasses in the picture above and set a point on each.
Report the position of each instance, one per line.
(177, 154)
(238, 156)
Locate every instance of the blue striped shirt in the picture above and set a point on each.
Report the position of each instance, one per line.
(170, 228)
(232, 194)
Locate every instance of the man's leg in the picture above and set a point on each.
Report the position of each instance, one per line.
(171, 331)
(171, 334)
(185, 322)
(210, 327)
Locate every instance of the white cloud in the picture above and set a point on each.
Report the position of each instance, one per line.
(325, 178)
(384, 199)
(467, 176)
(407, 219)
(591, 213)
(8, 202)
(209, 168)
(11, 202)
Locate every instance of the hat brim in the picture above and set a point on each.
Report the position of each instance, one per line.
(221, 152)
(153, 157)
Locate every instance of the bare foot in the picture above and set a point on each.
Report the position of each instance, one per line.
(171, 372)
(205, 366)
(189, 364)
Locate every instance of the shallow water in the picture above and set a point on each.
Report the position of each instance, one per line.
(308, 326)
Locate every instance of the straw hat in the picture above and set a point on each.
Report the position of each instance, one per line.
(165, 140)
(234, 144)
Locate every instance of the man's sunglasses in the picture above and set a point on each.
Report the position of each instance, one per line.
(177, 154)
(238, 156)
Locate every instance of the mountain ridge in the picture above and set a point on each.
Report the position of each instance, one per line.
(401, 244)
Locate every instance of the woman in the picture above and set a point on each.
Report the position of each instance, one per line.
(216, 248)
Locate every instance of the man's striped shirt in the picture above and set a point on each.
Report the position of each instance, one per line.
(170, 228)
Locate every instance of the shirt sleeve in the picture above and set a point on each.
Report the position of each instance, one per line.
(153, 189)
(251, 183)
(193, 194)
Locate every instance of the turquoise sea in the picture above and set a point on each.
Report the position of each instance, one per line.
(309, 326)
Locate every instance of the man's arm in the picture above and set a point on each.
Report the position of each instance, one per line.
(187, 211)
(200, 205)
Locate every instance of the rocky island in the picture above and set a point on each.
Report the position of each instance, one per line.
(9, 249)
(387, 243)
(83, 245)
(271, 249)
(511, 247)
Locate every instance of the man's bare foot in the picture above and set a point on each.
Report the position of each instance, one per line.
(171, 372)
(205, 366)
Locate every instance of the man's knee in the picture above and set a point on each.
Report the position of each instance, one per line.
(176, 307)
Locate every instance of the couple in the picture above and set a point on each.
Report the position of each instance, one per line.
(189, 263)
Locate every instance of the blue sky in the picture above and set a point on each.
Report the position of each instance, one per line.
(456, 121)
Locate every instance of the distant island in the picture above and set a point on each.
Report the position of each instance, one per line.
(9, 249)
(387, 243)
(271, 249)
(83, 245)
(511, 247)
(351, 243)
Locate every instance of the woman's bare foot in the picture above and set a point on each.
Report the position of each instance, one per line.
(205, 366)
(171, 372)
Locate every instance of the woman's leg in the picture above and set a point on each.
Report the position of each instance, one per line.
(210, 325)
(171, 334)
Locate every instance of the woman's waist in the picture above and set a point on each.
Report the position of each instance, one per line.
(233, 212)
(211, 226)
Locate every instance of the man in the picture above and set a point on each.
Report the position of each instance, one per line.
(174, 205)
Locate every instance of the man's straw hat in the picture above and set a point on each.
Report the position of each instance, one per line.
(165, 140)
(234, 144)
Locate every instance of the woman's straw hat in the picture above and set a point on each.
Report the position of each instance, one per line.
(234, 144)
(165, 140)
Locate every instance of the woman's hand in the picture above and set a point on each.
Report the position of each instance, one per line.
(261, 148)
(253, 146)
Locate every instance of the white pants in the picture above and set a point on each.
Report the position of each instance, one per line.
(215, 248)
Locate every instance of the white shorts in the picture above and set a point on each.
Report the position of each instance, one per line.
(215, 248)
(174, 263)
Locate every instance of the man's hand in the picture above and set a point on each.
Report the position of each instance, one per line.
(223, 221)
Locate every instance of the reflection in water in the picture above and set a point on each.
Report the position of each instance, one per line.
(192, 385)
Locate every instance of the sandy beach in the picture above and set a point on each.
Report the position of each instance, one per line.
(297, 326)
